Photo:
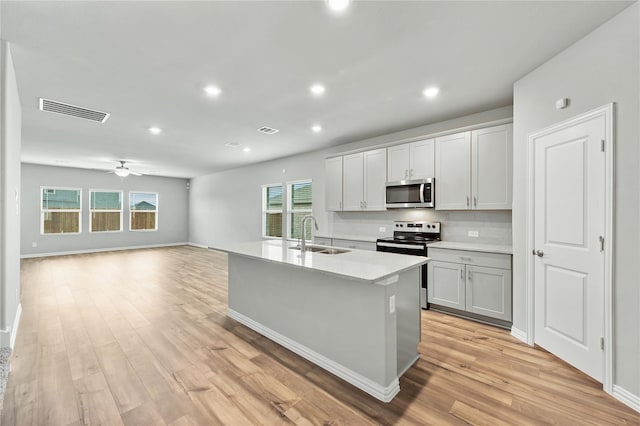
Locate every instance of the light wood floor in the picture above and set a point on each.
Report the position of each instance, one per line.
(141, 338)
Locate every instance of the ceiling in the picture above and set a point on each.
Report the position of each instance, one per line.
(146, 63)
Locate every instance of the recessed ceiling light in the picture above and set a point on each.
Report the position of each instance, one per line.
(338, 5)
(317, 89)
(212, 90)
(316, 128)
(246, 149)
(155, 130)
(431, 92)
(232, 144)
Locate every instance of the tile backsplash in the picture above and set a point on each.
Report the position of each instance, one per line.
(493, 227)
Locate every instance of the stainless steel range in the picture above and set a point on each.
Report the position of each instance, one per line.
(412, 238)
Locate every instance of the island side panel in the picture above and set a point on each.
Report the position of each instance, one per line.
(408, 318)
(344, 320)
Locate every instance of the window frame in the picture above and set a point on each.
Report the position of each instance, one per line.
(43, 210)
(121, 211)
(266, 211)
(291, 210)
(156, 210)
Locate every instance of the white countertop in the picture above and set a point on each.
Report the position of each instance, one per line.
(352, 237)
(488, 248)
(364, 265)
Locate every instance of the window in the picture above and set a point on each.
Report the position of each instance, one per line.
(60, 211)
(297, 206)
(106, 211)
(300, 202)
(143, 210)
(272, 211)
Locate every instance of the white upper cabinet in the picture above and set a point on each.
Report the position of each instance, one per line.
(411, 161)
(375, 178)
(492, 167)
(333, 182)
(364, 177)
(398, 162)
(474, 169)
(453, 172)
(353, 181)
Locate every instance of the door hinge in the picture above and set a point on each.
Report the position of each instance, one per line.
(601, 242)
(602, 145)
(602, 343)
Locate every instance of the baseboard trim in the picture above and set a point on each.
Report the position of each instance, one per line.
(100, 250)
(383, 393)
(626, 397)
(8, 336)
(519, 334)
(16, 324)
(199, 245)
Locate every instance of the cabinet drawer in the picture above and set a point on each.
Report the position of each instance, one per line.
(493, 260)
(352, 244)
(322, 241)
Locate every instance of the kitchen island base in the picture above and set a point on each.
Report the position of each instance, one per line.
(366, 333)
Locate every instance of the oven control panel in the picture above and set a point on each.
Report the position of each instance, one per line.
(406, 226)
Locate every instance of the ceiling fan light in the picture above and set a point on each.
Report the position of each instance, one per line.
(122, 171)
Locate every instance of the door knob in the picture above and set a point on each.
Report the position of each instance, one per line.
(539, 253)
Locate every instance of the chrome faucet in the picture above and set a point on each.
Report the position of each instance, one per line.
(303, 240)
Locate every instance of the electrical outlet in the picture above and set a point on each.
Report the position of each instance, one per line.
(34, 244)
(382, 229)
(392, 304)
(474, 234)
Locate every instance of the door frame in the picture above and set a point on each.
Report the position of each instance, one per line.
(607, 111)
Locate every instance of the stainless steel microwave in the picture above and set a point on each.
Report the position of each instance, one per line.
(411, 193)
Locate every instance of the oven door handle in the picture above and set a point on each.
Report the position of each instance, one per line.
(403, 246)
(422, 192)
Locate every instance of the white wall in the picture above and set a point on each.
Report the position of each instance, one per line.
(10, 134)
(226, 206)
(599, 69)
(173, 200)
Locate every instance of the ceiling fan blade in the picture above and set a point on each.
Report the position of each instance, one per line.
(135, 173)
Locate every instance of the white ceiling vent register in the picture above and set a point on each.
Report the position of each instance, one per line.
(267, 130)
(72, 110)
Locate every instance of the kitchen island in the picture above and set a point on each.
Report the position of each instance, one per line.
(355, 314)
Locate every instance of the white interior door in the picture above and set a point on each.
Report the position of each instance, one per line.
(569, 220)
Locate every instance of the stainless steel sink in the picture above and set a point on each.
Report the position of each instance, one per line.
(321, 249)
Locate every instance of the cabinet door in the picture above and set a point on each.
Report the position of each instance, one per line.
(398, 162)
(333, 182)
(352, 182)
(375, 178)
(422, 159)
(453, 174)
(446, 284)
(352, 244)
(488, 292)
(492, 167)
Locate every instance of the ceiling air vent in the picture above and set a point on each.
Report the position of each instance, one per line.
(72, 110)
(267, 130)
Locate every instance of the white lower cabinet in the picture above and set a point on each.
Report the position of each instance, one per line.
(475, 282)
(353, 244)
(322, 241)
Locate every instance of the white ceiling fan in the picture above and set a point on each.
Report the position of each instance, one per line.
(124, 171)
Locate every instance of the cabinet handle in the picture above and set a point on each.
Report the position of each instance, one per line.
(469, 274)
(410, 172)
(365, 204)
(340, 204)
(462, 274)
(406, 173)
(467, 201)
(475, 201)
(464, 258)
